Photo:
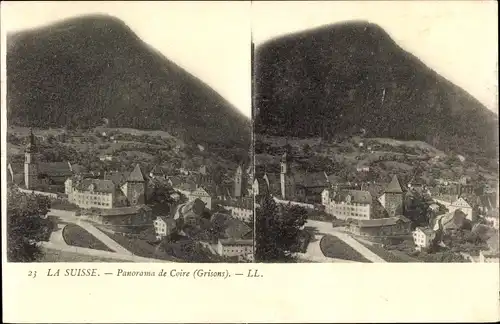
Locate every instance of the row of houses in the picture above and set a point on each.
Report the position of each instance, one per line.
(235, 237)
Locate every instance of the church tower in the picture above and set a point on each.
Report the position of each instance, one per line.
(286, 178)
(135, 187)
(392, 199)
(238, 182)
(30, 166)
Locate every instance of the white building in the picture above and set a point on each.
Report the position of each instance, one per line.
(363, 169)
(164, 226)
(203, 195)
(462, 205)
(243, 249)
(92, 193)
(456, 203)
(241, 209)
(423, 237)
(240, 213)
(107, 157)
(346, 204)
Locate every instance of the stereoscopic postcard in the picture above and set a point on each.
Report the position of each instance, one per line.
(250, 161)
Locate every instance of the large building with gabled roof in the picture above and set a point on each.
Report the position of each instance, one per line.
(351, 204)
(115, 190)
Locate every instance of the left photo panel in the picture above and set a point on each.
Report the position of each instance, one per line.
(128, 133)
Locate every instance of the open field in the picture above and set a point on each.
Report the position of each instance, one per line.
(139, 247)
(333, 247)
(76, 236)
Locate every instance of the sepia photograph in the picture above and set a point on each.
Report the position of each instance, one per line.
(128, 132)
(375, 131)
(212, 161)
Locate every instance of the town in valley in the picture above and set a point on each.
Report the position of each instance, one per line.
(389, 210)
(139, 212)
(363, 153)
(117, 154)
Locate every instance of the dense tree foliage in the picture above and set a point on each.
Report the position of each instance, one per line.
(147, 91)
(342, 78)
(278, 230)
(25, 226)
(417, 208)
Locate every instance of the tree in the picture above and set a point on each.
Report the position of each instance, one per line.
(417, 209)
(277, 230)
(25, 226)
(160, 197)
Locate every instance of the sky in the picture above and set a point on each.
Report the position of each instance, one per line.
(211, 40)
(457, 39)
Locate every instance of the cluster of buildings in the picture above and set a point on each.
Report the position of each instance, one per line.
(226, 235)
(119, 200)
(289, 185)
(375, 214)
(368, 215)
(206, 197)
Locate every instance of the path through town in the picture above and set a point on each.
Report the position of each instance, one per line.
(57, 240)
(103, 238)
(314, 253)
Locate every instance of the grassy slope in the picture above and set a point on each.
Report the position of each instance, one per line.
(139, 247)
(334, 247)
(76, 236)
(127, 150)
(386, 158)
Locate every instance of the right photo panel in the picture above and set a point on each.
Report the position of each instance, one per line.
(375, 131)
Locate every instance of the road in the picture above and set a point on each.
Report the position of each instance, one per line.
(57, 240)
(97, 253)
(314, 253)
(103, 238)
(321, 229)
(56, 236)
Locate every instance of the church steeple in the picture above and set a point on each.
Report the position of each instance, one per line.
(30, 148)
(30, 166)
(285, 163)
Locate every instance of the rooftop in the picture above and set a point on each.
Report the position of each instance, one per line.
(105, 186)
(426, 230)
(136, 175)
(357, 196)
(236, 242)
(394, 186)
(168, 220)
(381, 221)
(244, 203)
(123, 210)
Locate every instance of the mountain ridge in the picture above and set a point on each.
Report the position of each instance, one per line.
(83, 69)
(340, 72)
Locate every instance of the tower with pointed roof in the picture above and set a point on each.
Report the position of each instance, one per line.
(286, 177)
(392, 199)
(238, 182)
(30, 165)
(135, 187)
